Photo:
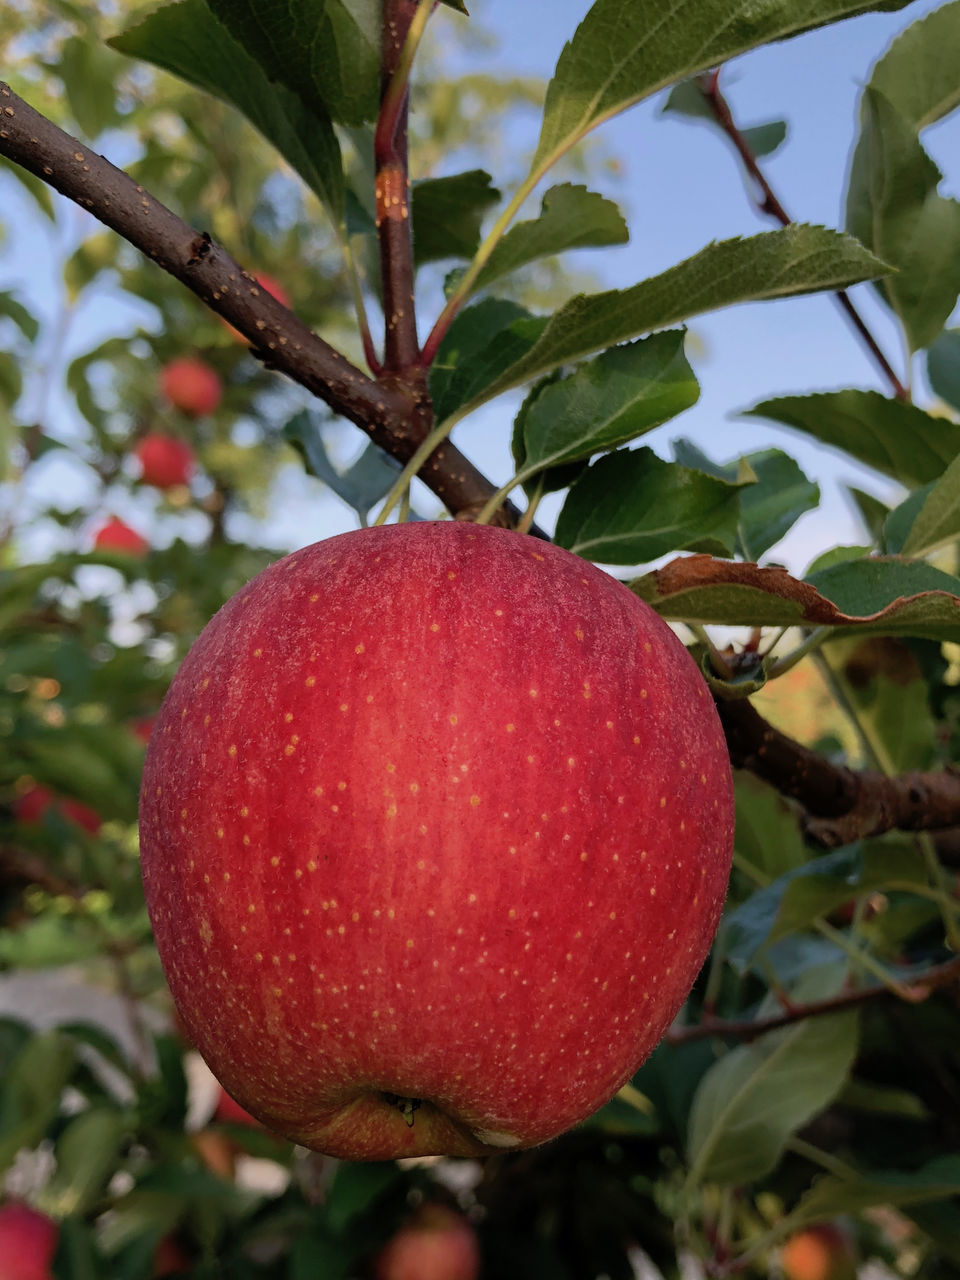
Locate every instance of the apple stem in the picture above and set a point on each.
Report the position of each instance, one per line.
(406, 1106)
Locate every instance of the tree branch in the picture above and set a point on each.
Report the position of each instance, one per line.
(709, 85)
(391, 414)
(747, 1029)
(401, 348)
(842, 804)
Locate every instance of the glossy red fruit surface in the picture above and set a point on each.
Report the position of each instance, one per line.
(436, 825)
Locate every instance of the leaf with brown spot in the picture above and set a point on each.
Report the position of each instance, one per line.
(884, 595)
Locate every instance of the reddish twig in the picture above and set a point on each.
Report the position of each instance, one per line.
(747, 1029)
(709, 85)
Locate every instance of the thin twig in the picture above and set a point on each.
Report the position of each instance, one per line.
(709, 85)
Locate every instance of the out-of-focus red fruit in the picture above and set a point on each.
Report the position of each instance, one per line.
(217, 1151)
(165, 461)
(191, 386)
(33, 804)
(143, 727)
(820, 1252)
(170, 1258)
(437, 1244)
(114, 535)
(231, 1112)
(28, 1241)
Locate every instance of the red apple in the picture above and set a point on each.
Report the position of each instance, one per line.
(820, 1252)
(143, 727)
(33, 804)
(165, 461)
(437, 1244)
(28, 1241)
(170, 1258)
(436, 823)
(114, 535)
(191, 386)
(231, 1112)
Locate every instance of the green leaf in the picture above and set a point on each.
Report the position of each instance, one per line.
(484, 340)
(31, 1094)
(919, 73)
(186, 39)
(87, 71)
(768, 508)
(447, 213)
(871, 510)
(756, 1096)
(900, 597)
(687, 99)
(362, 485)
(943, 367)
(767, 831)
(25, 320)
(354, 1187)
(938, 519)
(625, 50)
(571, 217)
(896, 438)
(326, 52)
(936, 1180)
(894, 209)
(87, 1152)
(631, 506)
(617, 397)
(11, 379)
(774, 264)
(896, 528)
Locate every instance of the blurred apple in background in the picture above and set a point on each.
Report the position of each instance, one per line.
(191, 386)
(436, 1244)
(820, 1252)
(34, 803)
(165, 461)
(28, 1241)
(115, 535)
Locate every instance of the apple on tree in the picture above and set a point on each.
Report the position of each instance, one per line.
(436, 1244)
(270, 285)
(165, 462)
(436, 824)
(191, 386)
(115, 535)
(820, 1252)
(28, 1241)
(34, 803)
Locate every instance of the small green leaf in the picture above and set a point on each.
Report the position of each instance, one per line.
(483, 340)
(354, 1187)
(937, 1180)
(871, 510)
(31, 1093)
(919, 72)
(186, 39)
(899, 522)
(571, 217)
(687, 99)
(11, 379)
(87, 1153)
(25, 320)
(756, 1096)
(767, 831)
(631, 506)
(943, 367)
(361, 485)
(606, 402)
(896, 438)
(938, 519)
(625, 50)
(894, 209)
(87, 71)
(774, 264)
(326, 52)
(447, 213)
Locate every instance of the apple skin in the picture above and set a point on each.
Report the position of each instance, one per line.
(114, 535)
(437, 1244)
(191, 386)
(28, 1241)
(33, 804)
(436, 824)
(165, 461)
(820, 1252)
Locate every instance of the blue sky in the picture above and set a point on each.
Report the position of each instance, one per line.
(680, 187)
